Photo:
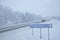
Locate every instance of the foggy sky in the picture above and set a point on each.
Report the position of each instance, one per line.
(46, 8)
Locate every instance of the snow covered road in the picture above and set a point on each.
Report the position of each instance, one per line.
(26, 33)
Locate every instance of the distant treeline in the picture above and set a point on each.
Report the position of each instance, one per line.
(8, 16)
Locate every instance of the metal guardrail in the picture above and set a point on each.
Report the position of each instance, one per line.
(17, 26)
(12, 27)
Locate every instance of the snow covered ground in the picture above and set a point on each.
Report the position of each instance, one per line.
(26, 33)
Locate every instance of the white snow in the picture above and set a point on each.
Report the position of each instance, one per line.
(26, 33)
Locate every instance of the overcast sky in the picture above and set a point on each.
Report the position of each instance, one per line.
(43, 7)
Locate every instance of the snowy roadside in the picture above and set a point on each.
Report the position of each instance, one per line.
(26, 33)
